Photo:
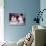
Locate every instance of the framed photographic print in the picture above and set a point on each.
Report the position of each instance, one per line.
(16, 19)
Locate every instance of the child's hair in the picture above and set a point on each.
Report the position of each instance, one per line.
(10, 15)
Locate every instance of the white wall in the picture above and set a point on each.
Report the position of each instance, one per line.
(1, 25)
(1, 21)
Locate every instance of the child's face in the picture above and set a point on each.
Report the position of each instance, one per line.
(13, 18)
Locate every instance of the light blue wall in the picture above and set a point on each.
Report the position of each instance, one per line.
(28, 7)
(43, 6)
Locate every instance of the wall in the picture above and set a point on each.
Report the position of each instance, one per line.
(28, 7)
(1, 21)
(1, 24)
(43, 6)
